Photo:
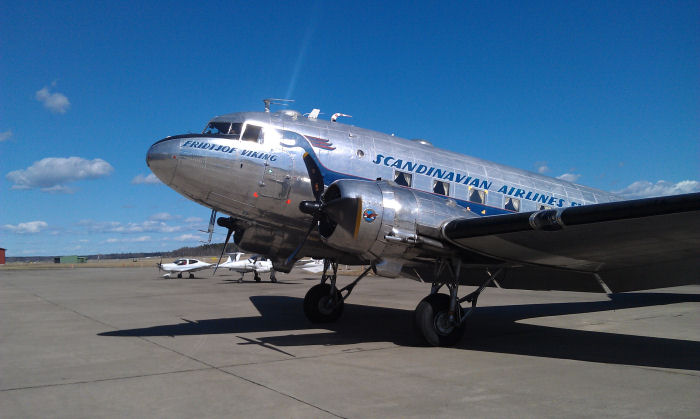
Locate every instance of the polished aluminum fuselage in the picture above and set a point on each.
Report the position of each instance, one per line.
(261, 183)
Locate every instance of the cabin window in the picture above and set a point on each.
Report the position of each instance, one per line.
(402, 178)
(360, 154)
(544, 207)
(477, 196)
(441, 188)
(181, 262)
(512, 204)
(192, 261)
(252, 133)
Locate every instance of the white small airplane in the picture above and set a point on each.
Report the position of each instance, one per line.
(311, 265)
(252, 264)
(180, 266)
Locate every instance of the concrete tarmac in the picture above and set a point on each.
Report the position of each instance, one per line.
(104, 343)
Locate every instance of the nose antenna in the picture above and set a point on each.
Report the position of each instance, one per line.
(274, 101)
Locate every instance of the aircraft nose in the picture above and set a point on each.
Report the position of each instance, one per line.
(162, 159)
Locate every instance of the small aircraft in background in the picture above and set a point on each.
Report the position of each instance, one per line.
(252, 264)
(311, 265)
(180, 266)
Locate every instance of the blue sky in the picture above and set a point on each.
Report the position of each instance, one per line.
(604, 93)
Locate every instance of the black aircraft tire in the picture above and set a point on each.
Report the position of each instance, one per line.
(257, 278)
(315, 307)
(428, 313)
(179, 275)
(191, 276)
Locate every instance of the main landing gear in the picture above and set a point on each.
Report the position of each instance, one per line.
(324, 302)
(439, 318)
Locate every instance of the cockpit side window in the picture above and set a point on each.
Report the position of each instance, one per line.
(217, 128)
(236, 128)
(252, 133)
(225, 128)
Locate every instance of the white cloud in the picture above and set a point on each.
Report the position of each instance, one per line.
(5, 135)
(30, 227)
(187, 237)
(193, 220)
(149, 179)
(51, 173)
(129, 240)
(542, 167)
(55, 189)
(161, 216)
(645, 189)
(569, 177)
(55, 102)
(149, 226)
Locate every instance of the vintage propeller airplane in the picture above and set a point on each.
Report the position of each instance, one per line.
(181, 266)
(296, 186)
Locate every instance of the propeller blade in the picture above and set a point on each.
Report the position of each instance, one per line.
(223, 249)
(313, 225)
(315, 176)
(309, 207)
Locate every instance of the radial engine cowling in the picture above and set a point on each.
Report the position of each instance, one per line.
(382, 220)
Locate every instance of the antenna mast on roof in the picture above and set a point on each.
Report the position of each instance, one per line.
(273, 101)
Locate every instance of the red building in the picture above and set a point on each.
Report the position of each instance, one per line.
(2, 256)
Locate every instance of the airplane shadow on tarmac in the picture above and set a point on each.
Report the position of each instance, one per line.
(490, 329)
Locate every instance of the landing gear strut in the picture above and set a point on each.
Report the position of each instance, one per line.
(439, 318)
(324, 302)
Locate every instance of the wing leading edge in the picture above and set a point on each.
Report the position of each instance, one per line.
(629, 245)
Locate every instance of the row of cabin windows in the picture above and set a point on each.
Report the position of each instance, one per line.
(254, 133)
(477, 196)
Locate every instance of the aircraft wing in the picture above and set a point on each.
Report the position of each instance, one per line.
(626, 245)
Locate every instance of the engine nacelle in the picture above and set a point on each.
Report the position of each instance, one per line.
(382, 221)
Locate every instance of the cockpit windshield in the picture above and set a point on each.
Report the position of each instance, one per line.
(225, 128)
